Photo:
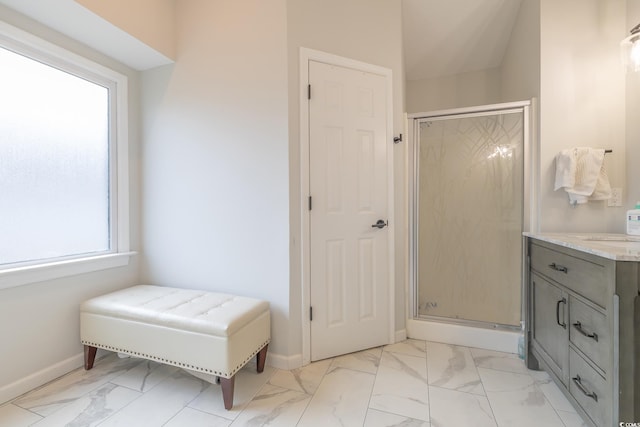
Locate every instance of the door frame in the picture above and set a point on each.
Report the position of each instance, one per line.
(530, 220)
(307, 55)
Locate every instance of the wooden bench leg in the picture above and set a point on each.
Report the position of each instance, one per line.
(89, 356)
(261, 357)
(227, 391)
(228, 384)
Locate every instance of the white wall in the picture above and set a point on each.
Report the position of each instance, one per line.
(632, 194)
(516, 79)
(520, 81)
(564, 52)
(520, 69)
(456, 91)
(221, 155)
(582, 103)
(365, 30)
(39, 324)
(216, 160)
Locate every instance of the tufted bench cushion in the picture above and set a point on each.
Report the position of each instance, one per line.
(202, 331)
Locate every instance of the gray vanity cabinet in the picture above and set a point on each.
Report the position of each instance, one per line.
(582, 312)
(548, 329)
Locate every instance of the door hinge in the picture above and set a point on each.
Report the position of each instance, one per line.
(310, 203)
(308, 91)
(310, 314)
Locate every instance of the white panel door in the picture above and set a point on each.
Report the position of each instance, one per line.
(349, 258)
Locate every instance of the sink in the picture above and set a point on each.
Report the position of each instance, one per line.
(612, 239)
(628, 244)
(625, 244)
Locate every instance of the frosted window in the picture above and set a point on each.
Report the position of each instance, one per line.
(54, 162)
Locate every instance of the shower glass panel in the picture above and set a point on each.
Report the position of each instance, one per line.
(469, 216)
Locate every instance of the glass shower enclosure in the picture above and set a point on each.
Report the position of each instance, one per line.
(468, 216)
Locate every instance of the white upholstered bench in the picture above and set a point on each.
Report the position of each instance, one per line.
(208, 332)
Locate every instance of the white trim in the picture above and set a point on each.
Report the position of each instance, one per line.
(281, 361)
(43, 376)
(471, 110)
(469, 115)
(400, 335)
(616, 357)
(24, 39)
(468, 336)
(305, 259)
(408, 131)
(391, 205)
(18, 276)
(340, 61)
(412, 305)
(307, 55)
(122, 166)
(43, 51)
(532, 145)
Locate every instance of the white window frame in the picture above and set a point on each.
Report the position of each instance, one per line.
(41, 50)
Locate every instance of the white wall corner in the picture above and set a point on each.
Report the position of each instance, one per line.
(79, 23)
(401, 335)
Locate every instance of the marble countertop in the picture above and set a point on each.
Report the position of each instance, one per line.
(619, 247)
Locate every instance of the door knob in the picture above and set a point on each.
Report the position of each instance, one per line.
(379, 224)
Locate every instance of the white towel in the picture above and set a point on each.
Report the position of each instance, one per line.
(580, 171)
(603, 187)
(565, 169)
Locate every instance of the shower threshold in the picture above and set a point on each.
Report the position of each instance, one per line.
(467, 322)
(465, 333)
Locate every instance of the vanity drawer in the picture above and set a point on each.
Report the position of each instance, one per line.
(590, 390)
(588, 331)
(581, 276)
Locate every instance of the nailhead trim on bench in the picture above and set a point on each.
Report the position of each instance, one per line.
(179, 364)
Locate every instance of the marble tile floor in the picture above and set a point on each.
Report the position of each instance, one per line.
(412, 383)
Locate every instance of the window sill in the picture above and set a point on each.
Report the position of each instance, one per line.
(54, 270)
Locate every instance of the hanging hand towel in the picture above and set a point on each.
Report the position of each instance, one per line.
(580, 171)
(565, 169)
(603, 187)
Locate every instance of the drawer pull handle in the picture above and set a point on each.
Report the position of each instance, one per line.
(578, 327)
(562, 301)
(578, 382)
(558, 267)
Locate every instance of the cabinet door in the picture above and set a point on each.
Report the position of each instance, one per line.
(550, 314)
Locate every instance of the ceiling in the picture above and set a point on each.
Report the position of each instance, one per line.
(77, 22)
(446, 37)
(441, 37)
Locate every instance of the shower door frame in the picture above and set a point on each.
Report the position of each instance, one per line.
(530, 193)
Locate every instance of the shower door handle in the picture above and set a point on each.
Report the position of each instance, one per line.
(380, 224)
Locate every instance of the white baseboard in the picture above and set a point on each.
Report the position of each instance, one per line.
(468, 336)
(23, 385)
(401, 335)
(37, 379)
(284, 362)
